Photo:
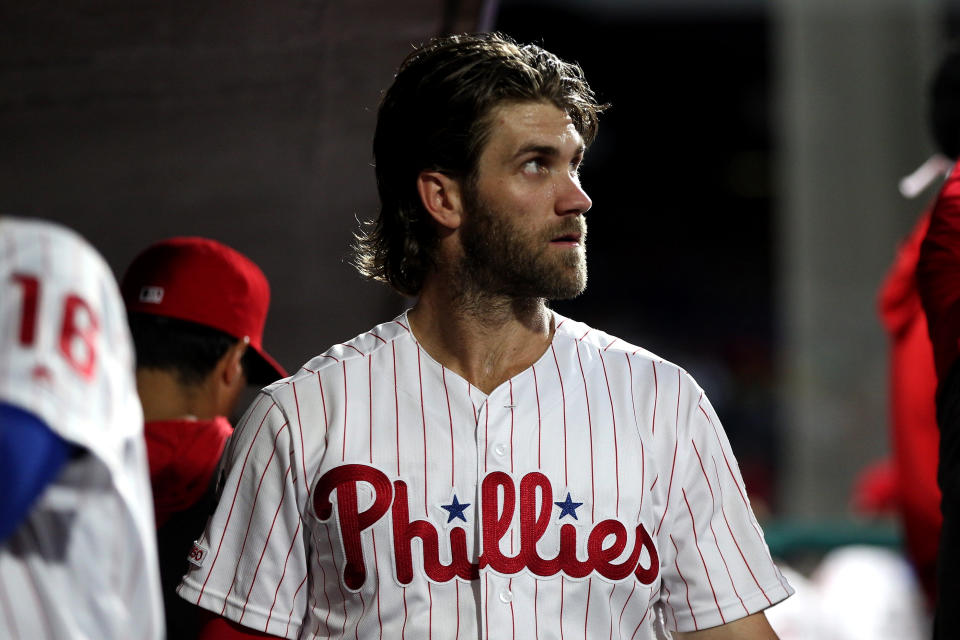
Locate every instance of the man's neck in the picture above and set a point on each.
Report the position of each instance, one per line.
(164, 398)
(485, 339)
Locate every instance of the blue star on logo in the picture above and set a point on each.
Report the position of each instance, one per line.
(568, 507)
(455, 509)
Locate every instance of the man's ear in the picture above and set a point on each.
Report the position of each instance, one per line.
(230, 368)
(442, 197)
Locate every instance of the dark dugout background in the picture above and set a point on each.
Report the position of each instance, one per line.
(251, 123)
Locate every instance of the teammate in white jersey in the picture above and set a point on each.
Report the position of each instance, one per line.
(481, 467)
(78, 555)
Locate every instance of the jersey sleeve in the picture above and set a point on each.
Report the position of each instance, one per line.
(250, 564)
(715, 564)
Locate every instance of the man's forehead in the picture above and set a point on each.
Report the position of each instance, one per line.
(521, 124)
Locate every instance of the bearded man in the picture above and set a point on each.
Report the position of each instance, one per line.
(480, 466)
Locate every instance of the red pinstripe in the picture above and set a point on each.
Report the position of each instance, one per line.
(654, 482)
(423, 422)
(696, 542)
(303, 455)
(586, 395)
(396, 402)
(234, 501)
(536, 392)
(670, 604)
(513, 619)
(563, 399)
(561, 606)
(673, 465)
(511, 439)
(457, 634)
(323, 578)
(656, 399)
(743, 498)
(346, 405)
(403, 629)
(613, 419)
(273, 523)
(323, 355)
(446, 393)
(370, 391)
(634, 634)
(643, 473)
(734, 538)
(486, 434)
(716, 540)
(241, 427)
(283, 574)
(403, 325)
(580, 339)
(610, 604)
(363, 611)
(625, 603)
(430, 612)
(350, 346)
(376, 565)
(676, 563)
(294, 606)
(612, 342)
(486, 605)
(343, 597)
(586, 614)
(376, 336)
(536, 616)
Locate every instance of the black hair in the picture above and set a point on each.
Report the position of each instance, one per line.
(945, 104)
(189, 350)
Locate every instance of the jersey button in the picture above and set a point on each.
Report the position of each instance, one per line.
(500, 450)
(506, 596)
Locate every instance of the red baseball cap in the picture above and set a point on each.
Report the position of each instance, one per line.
(203, 281)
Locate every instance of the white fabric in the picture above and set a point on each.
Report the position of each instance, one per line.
(626, 434)
(84, 562)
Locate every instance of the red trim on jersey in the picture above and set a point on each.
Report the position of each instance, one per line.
(233, 502)
(716, 540)
(446, 393)
(282, 575)
(423, 422)
(616, 447)
(676, 563)
(586, 395)
(266, 542)
(346, 405)
(563, 399)
(696, 542)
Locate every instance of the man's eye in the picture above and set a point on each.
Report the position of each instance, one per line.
(534, 165)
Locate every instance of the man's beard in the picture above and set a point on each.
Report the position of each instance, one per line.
(501, 259)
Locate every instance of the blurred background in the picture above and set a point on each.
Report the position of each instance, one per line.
(744, 180)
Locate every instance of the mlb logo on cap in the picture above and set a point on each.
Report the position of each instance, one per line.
(151, 295)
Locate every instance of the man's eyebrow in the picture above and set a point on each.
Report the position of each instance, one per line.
(548, 150)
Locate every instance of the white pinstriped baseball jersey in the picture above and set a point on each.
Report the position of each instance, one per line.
(83, 564)
(377, 494)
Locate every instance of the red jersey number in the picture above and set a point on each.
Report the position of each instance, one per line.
(78, 328)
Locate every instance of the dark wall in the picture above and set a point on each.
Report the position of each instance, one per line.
(247, 122)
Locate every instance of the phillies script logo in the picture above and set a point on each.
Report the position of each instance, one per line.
(498, 495)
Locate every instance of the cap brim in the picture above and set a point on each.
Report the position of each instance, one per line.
(263, 369)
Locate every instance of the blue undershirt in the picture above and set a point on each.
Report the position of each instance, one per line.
(31, 456)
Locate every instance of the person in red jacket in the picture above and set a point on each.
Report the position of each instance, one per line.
(938, 282)
(197, 310)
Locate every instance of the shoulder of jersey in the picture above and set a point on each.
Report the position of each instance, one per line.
(609, 344)
(359, 347)
(34, 229)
